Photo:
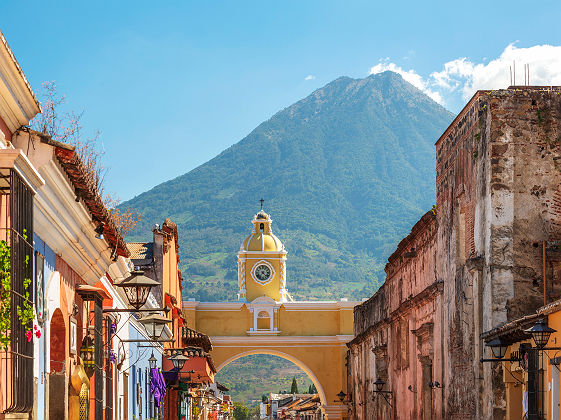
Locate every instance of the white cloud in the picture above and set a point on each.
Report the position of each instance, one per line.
(459, 79)
(310, 77)
(410, 75)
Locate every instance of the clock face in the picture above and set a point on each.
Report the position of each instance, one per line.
(262, 272)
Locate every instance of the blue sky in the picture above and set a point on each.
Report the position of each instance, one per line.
(172, 84)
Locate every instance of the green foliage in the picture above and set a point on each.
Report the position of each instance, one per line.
(25, 311)
(241, 412)
(5, 295)
(294, 387)
(252, 377)
(312, 389)
(345, 173)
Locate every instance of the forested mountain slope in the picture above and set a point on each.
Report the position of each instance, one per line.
(345, 173)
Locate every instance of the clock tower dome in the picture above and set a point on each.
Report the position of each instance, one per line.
(262, 263)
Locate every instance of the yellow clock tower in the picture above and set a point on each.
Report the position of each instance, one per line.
(262, 263)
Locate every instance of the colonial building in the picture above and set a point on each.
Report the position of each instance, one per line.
(398, 335)
(497, 217)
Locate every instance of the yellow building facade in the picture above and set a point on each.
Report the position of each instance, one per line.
(266, 320)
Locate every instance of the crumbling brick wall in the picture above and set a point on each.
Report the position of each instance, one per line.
(497, 195)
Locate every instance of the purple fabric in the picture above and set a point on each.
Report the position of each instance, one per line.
(157, 386)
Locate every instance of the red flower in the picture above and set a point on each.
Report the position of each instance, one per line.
(38, 333)
(35, 327)
(29, 335)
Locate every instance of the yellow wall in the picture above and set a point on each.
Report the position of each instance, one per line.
(313, 335)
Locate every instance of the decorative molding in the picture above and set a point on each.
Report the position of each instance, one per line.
(280, 341)
(18, 104)
(17, 160)
(271, 276)
(262, 332)
(320, 305)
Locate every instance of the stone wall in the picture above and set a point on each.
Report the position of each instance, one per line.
(478, 265)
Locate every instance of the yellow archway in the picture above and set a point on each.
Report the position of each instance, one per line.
(285, 356)
(312, 335)
(265, 320)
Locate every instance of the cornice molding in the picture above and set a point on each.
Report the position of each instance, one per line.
(18, 104)
(280, 341)
(16, 159)
(67, 227)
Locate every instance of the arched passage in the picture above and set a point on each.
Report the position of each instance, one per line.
(57, 342)
(285, 356)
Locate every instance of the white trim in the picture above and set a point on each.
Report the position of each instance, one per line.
(268, 279)
(240, 253)
(16, 159)
(281, 341)
(263, 332)
(320, 306)
(18, 104)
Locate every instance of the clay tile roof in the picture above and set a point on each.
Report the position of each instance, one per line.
(78, 177)
(141, 250)
(196, 339)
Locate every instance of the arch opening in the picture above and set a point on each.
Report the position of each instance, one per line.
(313, 378)
(57, 342)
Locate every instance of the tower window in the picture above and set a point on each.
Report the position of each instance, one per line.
(262, 226)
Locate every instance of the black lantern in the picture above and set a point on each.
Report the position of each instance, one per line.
(498, 347)
(379, 383)
(341, 395)
(137, 288)
(540, 333)
(178, 360)
(87, 355)
(154, 325)
(152, 361)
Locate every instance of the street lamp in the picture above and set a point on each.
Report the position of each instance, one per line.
(178, 360)
(87, 354)
(154, 325)
(379, 384)
(137, 288)
(341, 395)
(498, 347)
(540, 333)
(152, 361)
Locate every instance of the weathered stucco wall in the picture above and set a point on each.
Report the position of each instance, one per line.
(498, 212)
(397, 334)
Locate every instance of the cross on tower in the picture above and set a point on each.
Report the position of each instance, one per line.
(261, 201)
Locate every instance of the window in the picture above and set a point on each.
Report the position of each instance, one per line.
(263, 321)
(39, 287)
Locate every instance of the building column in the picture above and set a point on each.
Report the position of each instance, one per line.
(555, 394)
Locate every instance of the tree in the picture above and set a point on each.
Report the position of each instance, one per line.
(65, 127)
(264, 398)
(241, 412)
(312, 389)
(294, 387)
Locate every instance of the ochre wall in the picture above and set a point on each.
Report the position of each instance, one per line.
(312, 335)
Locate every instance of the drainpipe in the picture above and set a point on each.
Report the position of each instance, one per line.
(544, 275)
